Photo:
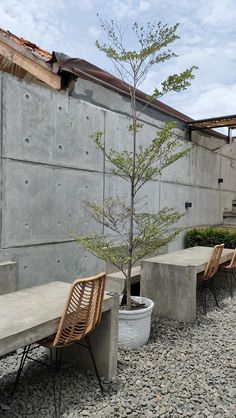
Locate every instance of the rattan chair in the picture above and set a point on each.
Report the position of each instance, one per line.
(82, 312)
(205, 280)
(230, 272)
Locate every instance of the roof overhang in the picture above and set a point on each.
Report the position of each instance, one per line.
(214, 123)
(14, 54)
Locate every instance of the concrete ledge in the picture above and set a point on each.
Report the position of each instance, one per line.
(115, 282)
(8, 277)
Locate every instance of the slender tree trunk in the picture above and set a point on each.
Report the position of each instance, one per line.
(131, 229)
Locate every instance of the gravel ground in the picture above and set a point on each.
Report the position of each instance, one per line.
(186, 370)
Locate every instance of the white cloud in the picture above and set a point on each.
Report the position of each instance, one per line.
(215, 100)
(120, 9)
(94, 31)
(217, 12)
(144, 6)
(33, 20)
(85, 5)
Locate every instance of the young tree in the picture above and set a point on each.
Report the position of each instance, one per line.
(135, 233)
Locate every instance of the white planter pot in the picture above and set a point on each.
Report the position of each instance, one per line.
(134, 326)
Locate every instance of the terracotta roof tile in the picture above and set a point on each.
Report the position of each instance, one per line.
(45, 55)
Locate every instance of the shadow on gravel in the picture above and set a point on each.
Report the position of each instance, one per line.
(164, 330)
(34, 394)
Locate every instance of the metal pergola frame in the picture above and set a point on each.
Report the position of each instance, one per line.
(216, 122)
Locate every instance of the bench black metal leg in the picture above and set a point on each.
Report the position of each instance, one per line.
(21, 366)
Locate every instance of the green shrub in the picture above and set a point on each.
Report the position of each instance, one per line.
(210, 236)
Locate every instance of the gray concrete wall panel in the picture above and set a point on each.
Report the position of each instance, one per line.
(8, 277)
(148, 197)
(1, 119)
(119, 103)
(116, 126)
(49, 127)
(183, 170)
(174, 196)
(40, 264)
(206, 141)
(207, 168)
(226, 200)
(228, 173)
(228, 150)
(207, 211)
(147, 133)
(43, 204)
(116, 187)
(178, 243)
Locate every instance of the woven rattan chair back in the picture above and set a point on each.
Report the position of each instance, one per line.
(232, 264)
(82, 310)
(213, 262)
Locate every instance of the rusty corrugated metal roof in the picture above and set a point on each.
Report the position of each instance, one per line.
(84, 69)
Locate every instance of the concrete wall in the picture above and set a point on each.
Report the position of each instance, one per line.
(49, 166)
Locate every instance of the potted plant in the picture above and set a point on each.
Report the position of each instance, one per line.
(136, 233)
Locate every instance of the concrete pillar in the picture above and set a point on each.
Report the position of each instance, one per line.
(8, 277)
(172, 289)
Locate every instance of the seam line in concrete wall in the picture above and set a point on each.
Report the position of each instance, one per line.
(101, 105)
(33, 244)
(51, 165)
(226, 156)
(1, 162)
(109, 173)
(197, 186)
(104, 168)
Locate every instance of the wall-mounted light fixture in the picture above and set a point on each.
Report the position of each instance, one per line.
(188, 205)
(220, 180)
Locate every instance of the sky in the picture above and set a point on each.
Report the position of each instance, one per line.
(207, 40)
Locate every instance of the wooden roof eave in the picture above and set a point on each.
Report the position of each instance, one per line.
(24, 59)
(220, 122)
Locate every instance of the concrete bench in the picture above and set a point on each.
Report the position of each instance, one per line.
(116, 281)
(8, 277)
(170, 280)
(28, 315)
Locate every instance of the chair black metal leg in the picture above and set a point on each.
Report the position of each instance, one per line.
(203, 298)
(93, 361)
(59, 369)
(231, 283)
(234, 277)
(228, 279)
(202, 288)
(56, 412)
(56, 353)
(21, 366)
(213, 291)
